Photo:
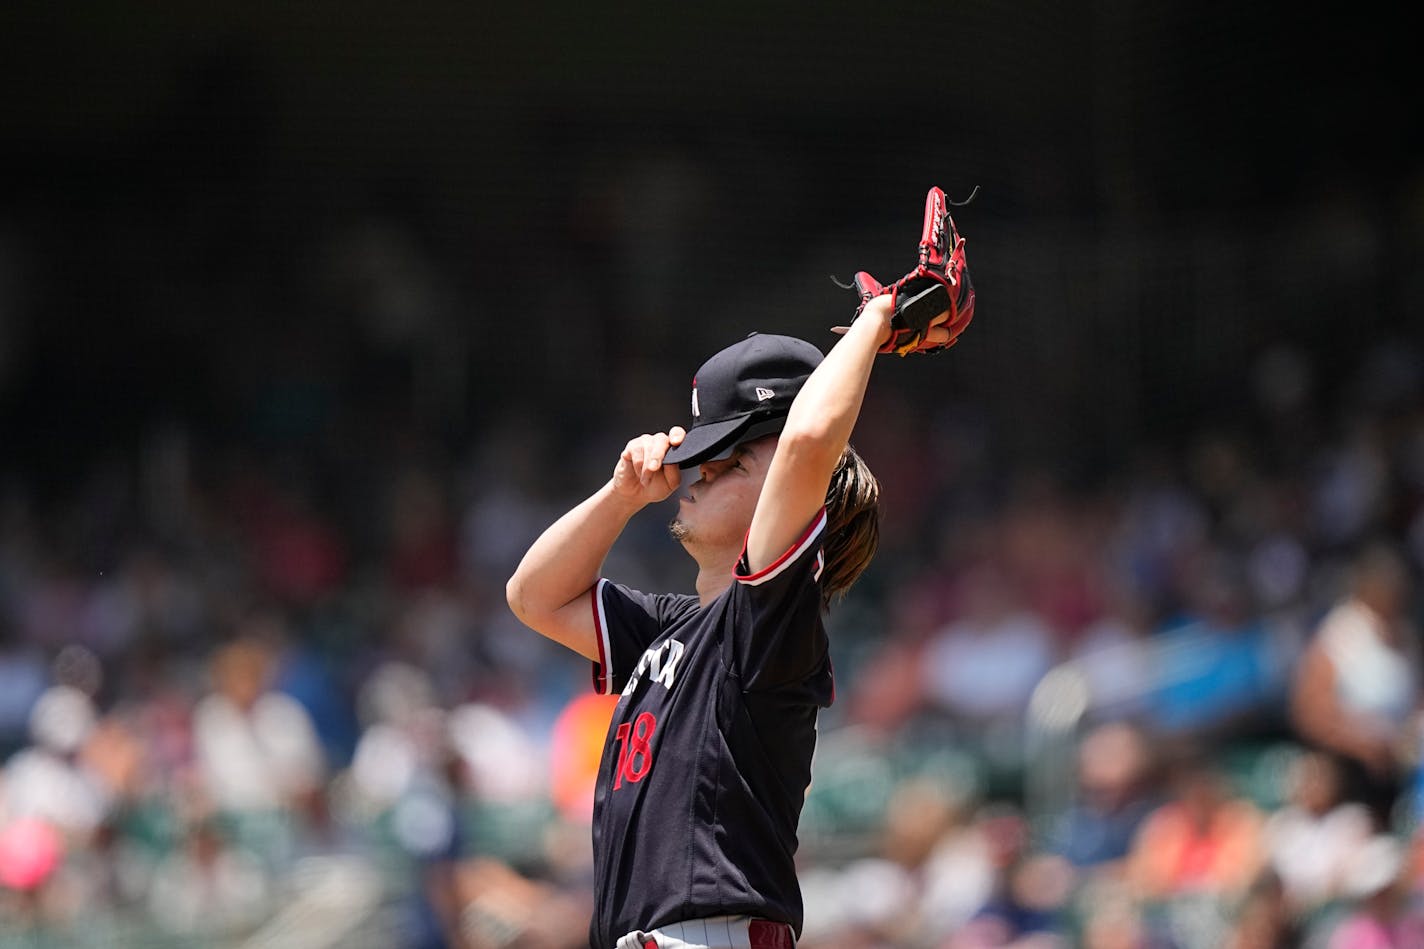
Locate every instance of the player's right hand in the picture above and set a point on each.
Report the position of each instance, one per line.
(640, 474)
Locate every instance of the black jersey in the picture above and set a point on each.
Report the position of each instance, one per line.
(709, 752)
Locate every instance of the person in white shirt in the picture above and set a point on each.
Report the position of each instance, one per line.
(256, 748)
(1356, 690)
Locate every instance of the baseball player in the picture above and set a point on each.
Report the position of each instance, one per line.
(708, 755)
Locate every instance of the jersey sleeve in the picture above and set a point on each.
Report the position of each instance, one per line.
(626, 622)
(780, 634)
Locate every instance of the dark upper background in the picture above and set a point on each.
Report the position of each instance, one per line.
(279, 225)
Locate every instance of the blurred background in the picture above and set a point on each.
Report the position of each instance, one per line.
(313, 315)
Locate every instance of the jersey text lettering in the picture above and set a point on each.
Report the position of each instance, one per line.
(658, 663)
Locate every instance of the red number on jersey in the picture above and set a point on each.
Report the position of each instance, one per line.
(635, 757)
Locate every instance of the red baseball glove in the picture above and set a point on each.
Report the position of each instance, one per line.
(939, 283)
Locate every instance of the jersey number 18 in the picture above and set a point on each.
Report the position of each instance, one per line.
(635, 757)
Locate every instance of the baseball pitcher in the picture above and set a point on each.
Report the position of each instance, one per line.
(708, 756)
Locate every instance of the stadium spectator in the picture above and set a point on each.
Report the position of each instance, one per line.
(1204, 841)
(929, 871)
(256, 748)
(1265, 919)
(1356, 691)
(1310, 839)
(980, 668)
(1218, 670)
(208, 887)
(1026, 906)
(1116, 793)
(50, 780)
(1380, 911)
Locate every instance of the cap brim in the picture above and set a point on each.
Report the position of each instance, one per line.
(710, 442)
(716, 440)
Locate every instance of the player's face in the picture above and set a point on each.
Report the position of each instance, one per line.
(716, 510)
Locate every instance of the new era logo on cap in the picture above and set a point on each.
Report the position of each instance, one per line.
(764, 393)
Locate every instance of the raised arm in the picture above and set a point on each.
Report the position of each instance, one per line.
(549, 589)
(817, 429)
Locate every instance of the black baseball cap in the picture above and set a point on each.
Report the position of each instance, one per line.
(742, 393)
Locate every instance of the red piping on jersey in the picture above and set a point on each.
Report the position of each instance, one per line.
(601, 683)
(780, 562)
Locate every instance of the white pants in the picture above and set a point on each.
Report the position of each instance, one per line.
(716, 932)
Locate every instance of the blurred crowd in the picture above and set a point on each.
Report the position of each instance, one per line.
(252, 693)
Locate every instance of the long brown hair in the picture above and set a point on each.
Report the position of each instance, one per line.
(852, 525)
